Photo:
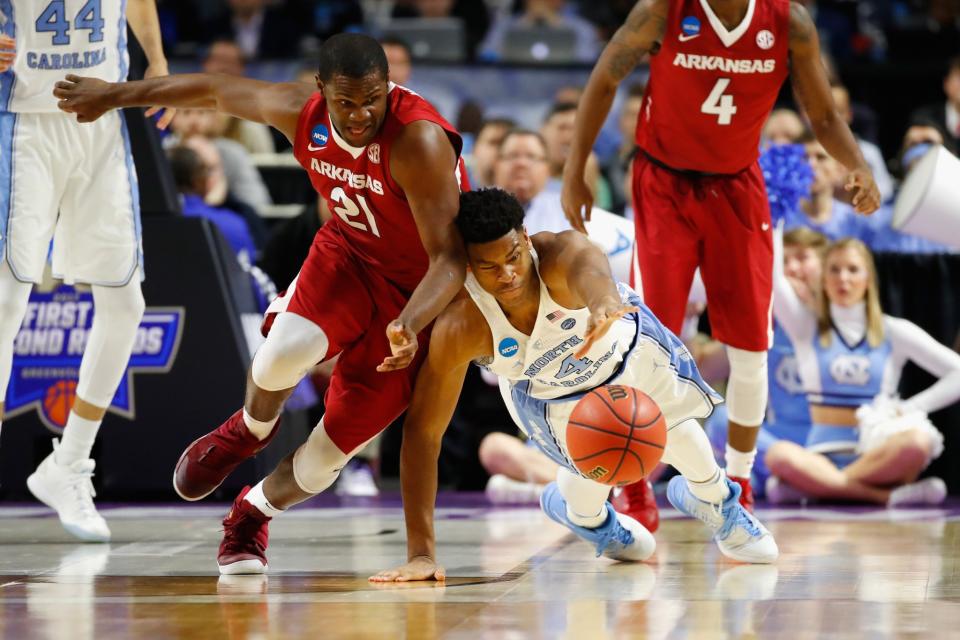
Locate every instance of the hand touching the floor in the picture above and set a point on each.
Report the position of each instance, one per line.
(419, 568)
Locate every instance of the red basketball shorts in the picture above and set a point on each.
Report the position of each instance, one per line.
(353, 304)
(718, 223)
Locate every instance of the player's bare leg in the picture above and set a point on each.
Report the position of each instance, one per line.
(747, 401)
(293, 346)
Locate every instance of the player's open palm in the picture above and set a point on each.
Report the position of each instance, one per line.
(7, 52)
(600, 321)
(420, 568)
(866, 194)
(403, 347)
(577, 200)
(86, 97)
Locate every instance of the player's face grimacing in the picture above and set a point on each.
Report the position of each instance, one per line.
(357, 106)
(504, 266)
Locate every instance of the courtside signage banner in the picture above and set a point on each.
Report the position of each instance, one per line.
(50, 344)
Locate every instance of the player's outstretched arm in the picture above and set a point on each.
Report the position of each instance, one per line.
(458, 337)
(637, 37)
(274, 104)
(812, 87)
(571, 262)
(424, 164)
(143, 20)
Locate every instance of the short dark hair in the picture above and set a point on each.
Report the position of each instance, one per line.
(488, 214)
(394, 41)
(186, 166)
(523, 132)
(559, 107)
(353, 55)
(506, 123)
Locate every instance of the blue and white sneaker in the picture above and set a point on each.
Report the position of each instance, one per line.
(619, 537)
(739, 535)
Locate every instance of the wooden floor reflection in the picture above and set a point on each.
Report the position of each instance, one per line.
(512, 574)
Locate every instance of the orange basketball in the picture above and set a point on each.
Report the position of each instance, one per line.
(616, 435)
(59, 400)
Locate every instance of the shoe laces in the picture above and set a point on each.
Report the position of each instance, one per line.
(616, 533)
(242, 532)
(80, 482)
(735, 515)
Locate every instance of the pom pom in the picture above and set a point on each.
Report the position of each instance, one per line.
(788, 176)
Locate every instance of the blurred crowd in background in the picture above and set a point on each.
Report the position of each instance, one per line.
(509, 74)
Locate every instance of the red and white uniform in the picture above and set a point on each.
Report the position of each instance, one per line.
(698, 191)
(363, 265)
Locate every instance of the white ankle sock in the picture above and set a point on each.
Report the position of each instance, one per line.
(77, 440)
(258, 427)
(256, 498)
(713, 490)
(739, 463)
(586, 499)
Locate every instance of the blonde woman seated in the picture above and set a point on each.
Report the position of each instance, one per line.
(865, 445)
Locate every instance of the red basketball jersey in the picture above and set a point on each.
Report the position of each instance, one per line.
(370, 211)
(710, 90)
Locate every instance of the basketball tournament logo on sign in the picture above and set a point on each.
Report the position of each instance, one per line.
(373, 153)
(50, 344)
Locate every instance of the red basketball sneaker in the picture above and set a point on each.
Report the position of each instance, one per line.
(210, 459)
(746, 496)
(245, 535)
(637, 501)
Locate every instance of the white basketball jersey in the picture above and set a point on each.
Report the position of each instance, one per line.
(546, 356)
(58, 37)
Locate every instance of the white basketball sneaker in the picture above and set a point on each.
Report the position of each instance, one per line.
(738, 533)
(929, 491)
(69, 492)
(504, 490)
(356, 480)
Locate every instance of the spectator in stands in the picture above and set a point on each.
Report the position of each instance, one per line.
(243, 179)
(783, 126)
(485, 150)
(821, 211)
(945, 115)
(522, 169)
(549, 14)
(557, 131)
(262, 32)
(871, 152)
(473, 13)
(225, 56)
(399, 59)
(194, 180)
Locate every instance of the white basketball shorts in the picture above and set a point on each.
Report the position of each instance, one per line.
(74, 184)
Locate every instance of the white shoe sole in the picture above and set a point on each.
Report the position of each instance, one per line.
(752, 557)
(38, 489)
(243, 567)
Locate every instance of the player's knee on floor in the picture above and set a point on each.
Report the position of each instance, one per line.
(747, 387)
(293, 346)
(318, 461)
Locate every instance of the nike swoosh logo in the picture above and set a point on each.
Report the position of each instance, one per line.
(310, 147)
(684, 37)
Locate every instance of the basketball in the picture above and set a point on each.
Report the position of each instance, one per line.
(616, 435)
(59, 400)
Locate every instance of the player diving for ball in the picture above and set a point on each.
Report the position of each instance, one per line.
(545, 315)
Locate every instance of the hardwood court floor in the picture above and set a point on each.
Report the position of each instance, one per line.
(844, 573)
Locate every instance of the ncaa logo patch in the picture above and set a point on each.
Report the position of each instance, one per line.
(320, 135)
(508, 347)
(764, 39)
(567, 324)
(373, 153)
(689, 28)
